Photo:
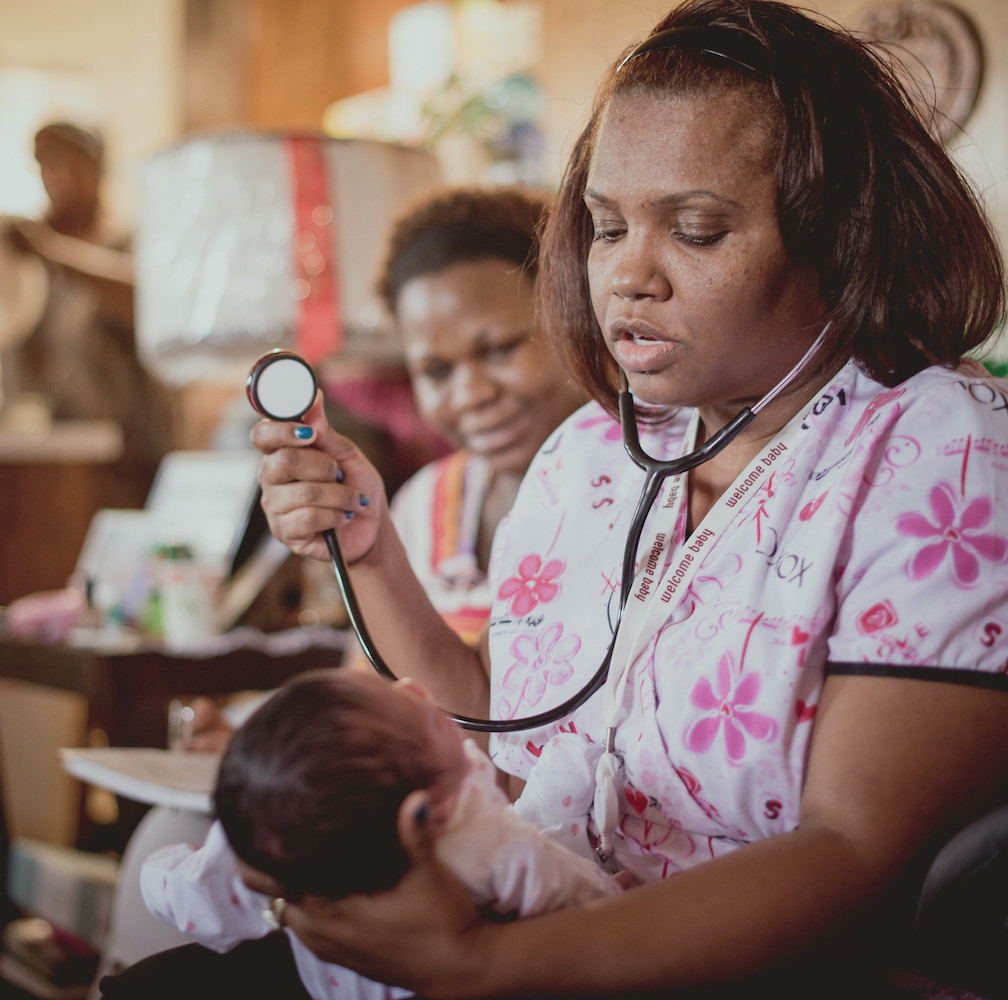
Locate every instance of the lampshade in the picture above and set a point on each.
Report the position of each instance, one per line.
(249, 241)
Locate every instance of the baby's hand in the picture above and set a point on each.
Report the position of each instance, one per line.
(625, 880)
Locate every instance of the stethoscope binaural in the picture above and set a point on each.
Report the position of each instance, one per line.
(282, 386)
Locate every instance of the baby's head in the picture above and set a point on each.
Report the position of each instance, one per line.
(309, 787)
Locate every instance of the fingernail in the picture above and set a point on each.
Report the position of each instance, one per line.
(364, 501)
(349, 514)
(340, 475)
(421, 814)
(303, 432)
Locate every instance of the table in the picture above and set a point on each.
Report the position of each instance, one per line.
(128, 688)
(51, 483)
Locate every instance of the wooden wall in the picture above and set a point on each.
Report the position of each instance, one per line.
(280, 63)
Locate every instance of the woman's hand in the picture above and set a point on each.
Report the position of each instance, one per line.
(421, 934)
(317, 482)
(23, 234)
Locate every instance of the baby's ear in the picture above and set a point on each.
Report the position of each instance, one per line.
(259, 881)
(416, 826)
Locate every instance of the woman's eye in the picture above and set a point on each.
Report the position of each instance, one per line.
(607, 233)
(436, 371)
(699, 239)
(504, 350)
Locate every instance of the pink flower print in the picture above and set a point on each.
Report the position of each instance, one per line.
(952, 530)
(533, 584)
(612, 428)
(882, 399)
(539, 660)
(728, 712)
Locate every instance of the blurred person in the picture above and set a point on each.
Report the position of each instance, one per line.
(80, 357)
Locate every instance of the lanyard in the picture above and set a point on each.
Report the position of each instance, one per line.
(660, 585)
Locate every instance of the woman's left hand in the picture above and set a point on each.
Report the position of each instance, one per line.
(422, 934)
(31, 236)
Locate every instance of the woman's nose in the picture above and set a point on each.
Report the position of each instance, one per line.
(637, 274)
(472, 385)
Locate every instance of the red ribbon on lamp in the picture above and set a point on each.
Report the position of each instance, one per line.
(319, 331)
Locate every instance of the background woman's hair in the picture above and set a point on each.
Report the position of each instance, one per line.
(459, 226)
(310, 786)
(909, 267)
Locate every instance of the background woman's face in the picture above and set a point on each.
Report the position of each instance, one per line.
(696, 296)
(70, 177)
(482, 375)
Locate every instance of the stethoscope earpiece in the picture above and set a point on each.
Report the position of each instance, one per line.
(281, 386)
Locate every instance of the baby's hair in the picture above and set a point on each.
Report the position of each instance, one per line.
(309, 787)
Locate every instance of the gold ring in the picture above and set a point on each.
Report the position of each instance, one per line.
(273, 914)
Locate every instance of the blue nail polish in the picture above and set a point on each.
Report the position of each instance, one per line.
(421, 814)
(349, 514)
(340, 475)
(364, 501)
(303, 432)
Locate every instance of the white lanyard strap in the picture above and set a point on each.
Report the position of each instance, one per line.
(658, 588)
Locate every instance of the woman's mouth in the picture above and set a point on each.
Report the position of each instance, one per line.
(487, 441)
(640, 352)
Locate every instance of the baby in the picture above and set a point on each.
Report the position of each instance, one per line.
(309, 791)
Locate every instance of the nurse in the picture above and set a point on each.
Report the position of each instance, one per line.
(809, 691)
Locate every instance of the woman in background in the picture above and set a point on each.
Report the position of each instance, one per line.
(459, 279)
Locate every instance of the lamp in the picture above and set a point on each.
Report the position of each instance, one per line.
(248, 241)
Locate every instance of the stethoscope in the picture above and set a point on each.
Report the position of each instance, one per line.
(283, 386)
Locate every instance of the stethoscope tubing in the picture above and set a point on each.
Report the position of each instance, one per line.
(476, 725)
(656, 472)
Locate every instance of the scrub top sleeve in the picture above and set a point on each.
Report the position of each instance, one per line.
(924, 592)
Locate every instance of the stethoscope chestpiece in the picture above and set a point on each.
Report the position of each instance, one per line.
(281, 385)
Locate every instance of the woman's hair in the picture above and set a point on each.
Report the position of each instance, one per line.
(458, 226)
(909, 268)
(85, 139)
(310, 786)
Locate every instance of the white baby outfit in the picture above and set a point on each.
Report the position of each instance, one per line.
(503, 861)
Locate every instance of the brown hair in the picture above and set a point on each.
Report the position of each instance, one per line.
(309, 787)
(909, 268)
(85, 139)
(460, 225)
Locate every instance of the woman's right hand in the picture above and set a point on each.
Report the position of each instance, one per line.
(320, 481)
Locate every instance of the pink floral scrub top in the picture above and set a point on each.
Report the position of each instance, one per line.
(871, 539)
